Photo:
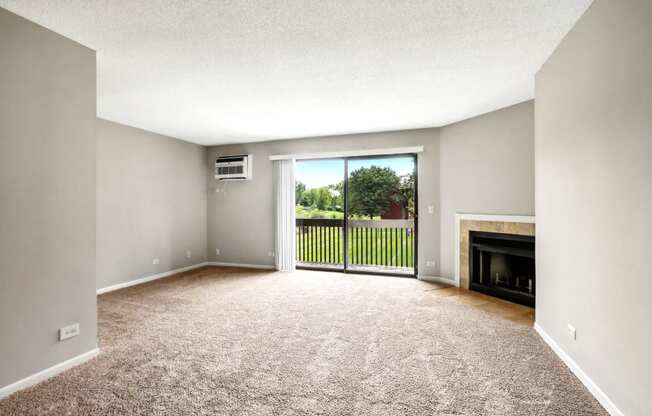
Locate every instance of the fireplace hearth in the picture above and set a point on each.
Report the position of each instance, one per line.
(502, 265)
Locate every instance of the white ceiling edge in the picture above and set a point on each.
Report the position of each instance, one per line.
(368, 132)
(351, 153)
(237, 72)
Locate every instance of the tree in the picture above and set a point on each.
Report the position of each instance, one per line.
(371, 190)
(337, 191)
(406, 193)
(321, 198)
(299, 189)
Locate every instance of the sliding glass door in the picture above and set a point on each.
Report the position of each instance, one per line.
(357, 214)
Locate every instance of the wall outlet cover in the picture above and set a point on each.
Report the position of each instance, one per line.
(217, 251)
(68, 332)
(188, 254)
(156, 261)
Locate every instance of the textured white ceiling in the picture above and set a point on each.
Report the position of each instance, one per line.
(228, 71)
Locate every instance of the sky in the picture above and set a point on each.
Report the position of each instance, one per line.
(318, 173)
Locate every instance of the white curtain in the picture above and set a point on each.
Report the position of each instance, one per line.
(285, 214)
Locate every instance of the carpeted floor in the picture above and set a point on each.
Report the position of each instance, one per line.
(221, 341)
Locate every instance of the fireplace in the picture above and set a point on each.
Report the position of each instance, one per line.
(502, 265)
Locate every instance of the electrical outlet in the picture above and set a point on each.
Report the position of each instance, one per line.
(217, 252)
(188, 254)
(431, 209)
(431, 263)
(270, 254)
(68, 332)
(572, 331)
(156, 261)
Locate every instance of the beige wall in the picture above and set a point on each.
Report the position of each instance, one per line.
(594, 198)
(240, 217)
(151, 203)
(47, 191)
(487, 167)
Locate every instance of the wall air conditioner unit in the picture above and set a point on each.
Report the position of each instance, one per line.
(234, 168)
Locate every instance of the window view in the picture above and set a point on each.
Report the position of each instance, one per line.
(381, 188)
(380, 226)
(319, 189)
(377, 210)
(319, 197)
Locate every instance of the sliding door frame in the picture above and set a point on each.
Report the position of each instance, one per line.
(345, 229)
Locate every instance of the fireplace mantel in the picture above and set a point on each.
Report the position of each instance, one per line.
(510, 222)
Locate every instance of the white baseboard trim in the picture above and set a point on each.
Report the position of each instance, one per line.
(47, 373)
(149, 278)
(593, 388)
(245, 265)
(437, 279)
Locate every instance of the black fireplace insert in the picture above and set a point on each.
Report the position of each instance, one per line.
(502, 265)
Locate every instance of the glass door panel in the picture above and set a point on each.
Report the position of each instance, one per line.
(319, 195)
(380, 212)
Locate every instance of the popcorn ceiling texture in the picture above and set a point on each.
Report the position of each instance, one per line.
(218, 341)
(217, 72)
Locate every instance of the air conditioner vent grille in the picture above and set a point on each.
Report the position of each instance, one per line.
(233, 167)
(230, 170)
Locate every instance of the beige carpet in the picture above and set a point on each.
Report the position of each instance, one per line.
(237, 342)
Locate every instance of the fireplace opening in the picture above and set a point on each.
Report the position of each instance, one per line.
(502, 265)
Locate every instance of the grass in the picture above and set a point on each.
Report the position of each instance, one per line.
(303, 212)
(314, 213)
(370, 246)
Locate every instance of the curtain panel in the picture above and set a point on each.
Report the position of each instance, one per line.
(285, 215)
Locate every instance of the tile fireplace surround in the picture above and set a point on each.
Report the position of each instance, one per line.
(464, 223)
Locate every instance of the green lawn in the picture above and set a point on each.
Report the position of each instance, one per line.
(314, 213)
(303, 212)
(370, 246)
